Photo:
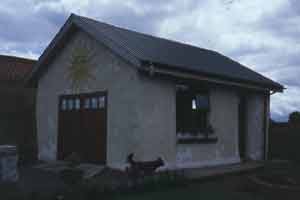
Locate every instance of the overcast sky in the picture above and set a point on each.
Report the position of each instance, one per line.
(261, 34)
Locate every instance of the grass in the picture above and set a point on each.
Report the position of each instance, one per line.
(9, 191)
(232, 187)
(211, 190)
(214, 189)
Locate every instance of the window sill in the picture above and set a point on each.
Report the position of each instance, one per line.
(209, 140)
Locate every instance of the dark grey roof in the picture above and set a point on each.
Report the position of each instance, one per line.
(139, 48)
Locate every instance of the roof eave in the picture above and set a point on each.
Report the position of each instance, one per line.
(204, 77)
(276, 87)
(74, 21)
(278, 90)
(49, 49)
(117, 48)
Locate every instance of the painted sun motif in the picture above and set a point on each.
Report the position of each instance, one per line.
(80, 70)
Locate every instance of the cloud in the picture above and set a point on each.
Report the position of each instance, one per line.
(262, 35)
(27, 27)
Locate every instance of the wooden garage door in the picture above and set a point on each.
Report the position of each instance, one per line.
(82, 127)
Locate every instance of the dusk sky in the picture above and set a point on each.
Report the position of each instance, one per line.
(261, 34)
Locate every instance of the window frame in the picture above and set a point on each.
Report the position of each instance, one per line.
(186, 126)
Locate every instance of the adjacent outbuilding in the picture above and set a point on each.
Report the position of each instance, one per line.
(17, 113)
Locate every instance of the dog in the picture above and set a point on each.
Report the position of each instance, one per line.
(144, 167)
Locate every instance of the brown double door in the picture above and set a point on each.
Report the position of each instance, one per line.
(82, 127)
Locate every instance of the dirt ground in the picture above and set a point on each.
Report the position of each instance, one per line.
(36, 184)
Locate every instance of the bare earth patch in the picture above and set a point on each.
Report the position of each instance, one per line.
(258, 185)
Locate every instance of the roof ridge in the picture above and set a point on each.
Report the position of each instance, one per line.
(145, 34)
(121, 32)
(136, 47)
(124, 46)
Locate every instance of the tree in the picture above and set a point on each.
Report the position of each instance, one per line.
(294, 118)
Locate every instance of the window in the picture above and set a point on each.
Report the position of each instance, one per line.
(101, 101)
(192, 109)
(64, 104)
(77, 104)
(87, 103)
(94, 103)
(70, 104)
(202, 101)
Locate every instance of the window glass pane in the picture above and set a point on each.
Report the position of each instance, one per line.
(94, 102)
(87, 103)
(64, 105)
(101, 102)
(202, 101)
(77, 104)
(194, 104)
(70, 104)
(192, 110)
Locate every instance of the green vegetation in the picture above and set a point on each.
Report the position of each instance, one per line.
(232, 187)
(294, 117)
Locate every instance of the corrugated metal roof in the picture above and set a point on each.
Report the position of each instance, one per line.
(139, 48)
(15, 68)
(175, 54)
